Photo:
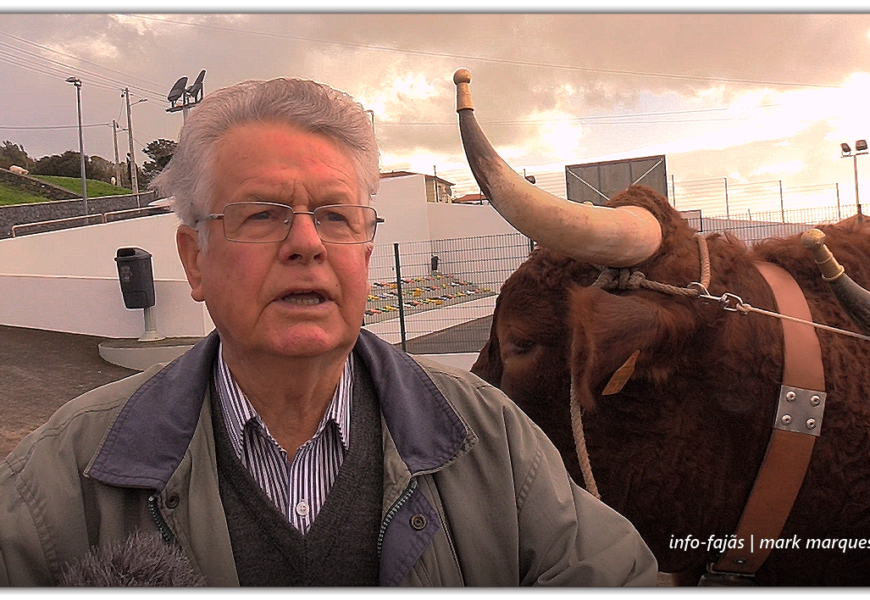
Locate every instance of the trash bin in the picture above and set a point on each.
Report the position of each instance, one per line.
(136, 276)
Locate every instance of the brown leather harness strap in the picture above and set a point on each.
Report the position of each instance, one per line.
(788, 452)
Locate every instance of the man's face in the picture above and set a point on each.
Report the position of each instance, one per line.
(295, 298)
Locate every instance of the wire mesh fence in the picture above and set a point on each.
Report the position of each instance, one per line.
(754, 226)
(437, 296)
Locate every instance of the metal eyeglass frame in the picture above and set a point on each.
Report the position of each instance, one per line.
(294, 213)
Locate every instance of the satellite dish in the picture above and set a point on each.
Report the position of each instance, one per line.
(177, 90)
(196, 88)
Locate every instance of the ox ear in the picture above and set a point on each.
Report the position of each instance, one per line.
(488, 365)
(616, 338)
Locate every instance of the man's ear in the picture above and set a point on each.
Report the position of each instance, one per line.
(187, 240)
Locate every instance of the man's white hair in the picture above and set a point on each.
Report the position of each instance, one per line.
(304, 104)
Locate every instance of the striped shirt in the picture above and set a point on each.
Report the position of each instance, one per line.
(298, 487)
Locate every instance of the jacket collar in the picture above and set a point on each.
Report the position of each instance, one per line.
(150, 435)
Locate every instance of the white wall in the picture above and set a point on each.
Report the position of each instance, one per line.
(94, 306)
(409, 218)
(90, 251)
(402, 203)
(68, 280)
(465, 220)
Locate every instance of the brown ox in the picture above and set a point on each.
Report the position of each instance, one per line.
(677, 449)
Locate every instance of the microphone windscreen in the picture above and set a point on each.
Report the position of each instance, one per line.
(142, 560)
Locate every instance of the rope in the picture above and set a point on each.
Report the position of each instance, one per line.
(632, 279)
(744, 308)
(580, 444)
(628, 279)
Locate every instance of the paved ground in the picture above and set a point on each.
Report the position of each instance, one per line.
(41, 370)
(467, 337)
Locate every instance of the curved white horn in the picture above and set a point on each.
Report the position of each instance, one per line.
(615, 237)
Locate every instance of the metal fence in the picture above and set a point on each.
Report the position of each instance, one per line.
(754, 226)
(721, 197)
(437, 296)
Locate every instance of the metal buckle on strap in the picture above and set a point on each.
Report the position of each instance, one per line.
(714, 578)
(800, 410)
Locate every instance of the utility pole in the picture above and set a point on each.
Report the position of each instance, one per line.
(117, 163)
(133, 175)
(78, 83)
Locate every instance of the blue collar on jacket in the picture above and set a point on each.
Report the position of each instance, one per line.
(148, 439)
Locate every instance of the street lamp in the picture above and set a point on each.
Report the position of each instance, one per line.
(78, 83)
(846, 152)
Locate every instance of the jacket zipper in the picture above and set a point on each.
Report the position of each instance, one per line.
(392, 512)
(167, 534)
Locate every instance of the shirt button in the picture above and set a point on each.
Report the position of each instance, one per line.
(302, 508)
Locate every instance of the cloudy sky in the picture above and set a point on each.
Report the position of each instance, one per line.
(742, 97)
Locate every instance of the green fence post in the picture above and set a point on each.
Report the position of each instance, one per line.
(399, 291)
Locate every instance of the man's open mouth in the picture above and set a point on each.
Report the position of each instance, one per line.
(304, 298)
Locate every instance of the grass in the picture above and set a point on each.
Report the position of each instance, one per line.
(74, 184)
(11, 195)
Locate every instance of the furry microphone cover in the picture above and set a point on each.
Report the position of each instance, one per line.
(139, 561)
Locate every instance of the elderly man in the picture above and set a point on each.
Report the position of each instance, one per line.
(289, 447)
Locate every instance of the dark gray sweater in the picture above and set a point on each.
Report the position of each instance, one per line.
(340, 548)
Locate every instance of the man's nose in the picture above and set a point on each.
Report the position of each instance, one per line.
(302, 239)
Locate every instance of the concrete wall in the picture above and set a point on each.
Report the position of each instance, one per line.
(18, 214)
(94, 306)
(465, 220)
(402, 203)
(68, 280)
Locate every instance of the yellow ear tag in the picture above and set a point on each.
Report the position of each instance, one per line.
(622, 375)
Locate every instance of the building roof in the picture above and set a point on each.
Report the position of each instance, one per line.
(406, 173)
(471, 199)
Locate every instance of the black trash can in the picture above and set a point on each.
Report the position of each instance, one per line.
(136, 276)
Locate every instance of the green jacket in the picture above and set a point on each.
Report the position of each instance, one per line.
(499, 507)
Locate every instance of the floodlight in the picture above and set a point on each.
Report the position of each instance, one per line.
(861, 145)
(845, 147)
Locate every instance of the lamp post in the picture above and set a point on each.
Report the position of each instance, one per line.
(846, 152)
(78, 83)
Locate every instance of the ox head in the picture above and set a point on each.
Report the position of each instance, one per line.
(555, 335)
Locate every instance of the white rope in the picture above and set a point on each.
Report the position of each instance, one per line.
(580, 444)
(744, 308)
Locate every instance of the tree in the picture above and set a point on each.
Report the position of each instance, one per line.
(101, 169)
(62, 165)
(69, 165)
(160, 152)
(13, 154)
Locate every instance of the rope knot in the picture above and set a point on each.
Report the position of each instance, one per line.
(620, 279)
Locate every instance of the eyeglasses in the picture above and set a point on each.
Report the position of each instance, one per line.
(264, 222)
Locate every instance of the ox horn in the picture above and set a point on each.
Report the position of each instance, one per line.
(615, 237)
(854, 299)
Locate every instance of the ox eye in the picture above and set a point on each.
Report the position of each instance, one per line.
(521, 346)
